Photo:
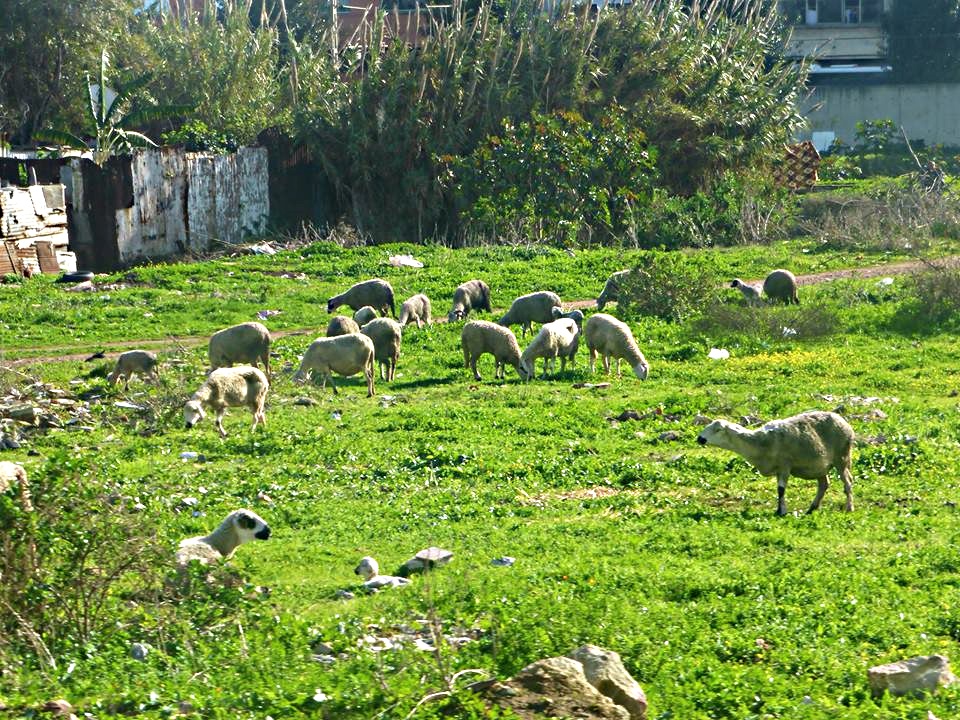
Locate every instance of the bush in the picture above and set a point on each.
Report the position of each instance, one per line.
(670, 286)
(767, 323)
(936, 293)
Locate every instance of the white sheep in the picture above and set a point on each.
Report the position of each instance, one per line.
(575, 315)
(342, 325)
(415, 309)
(612, 338)
(535, 307)
(471, 295)
(242, 386)
(246, 343)
(482, 336)
(781, 286)
(134, 362)
(611, 289)
(376, 293)
(750, 293)
(345, 355)
(364, 315)
(14, 476)
(239, 527)
(807, 445)
(559, 338)
(369, 570)
(387, 335)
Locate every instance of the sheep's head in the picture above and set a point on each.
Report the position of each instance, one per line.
(192, 413)
(331, 306)
(737, 282)
(526, 368)
(577, 317)
(641, 369)
(249, 526)
(455, 315)
(714, 433)
(367, 568)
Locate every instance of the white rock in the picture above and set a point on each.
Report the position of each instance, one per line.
(913, 676)
(605, 671)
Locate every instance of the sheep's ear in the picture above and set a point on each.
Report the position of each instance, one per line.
(246, 522)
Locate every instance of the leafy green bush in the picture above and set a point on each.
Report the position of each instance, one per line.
(767, 323)
(669, 285)
(195, 136)
(936, 293)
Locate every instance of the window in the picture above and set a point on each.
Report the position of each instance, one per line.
(847, 12)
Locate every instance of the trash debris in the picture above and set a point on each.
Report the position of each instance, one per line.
(336, 415)
(503, 561)
(787, 331)
(718, 354)
(590, 386)
(264, 314)
(126, 405)
(885, 282)
(263, 248)
(405, 261)
(139, 651)
(85, 286)
(189, 455)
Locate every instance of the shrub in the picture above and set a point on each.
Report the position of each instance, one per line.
(936, 293)
(767, 323)
(669, 285)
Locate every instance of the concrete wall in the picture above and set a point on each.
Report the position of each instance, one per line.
(930, 112)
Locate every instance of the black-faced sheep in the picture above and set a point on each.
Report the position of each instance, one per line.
(751, 294)
(807, 445)
(342, 325)
(559, 338)
(781, 286)
(242, 386)
(376, 293)
(482, 336)
(239, 527)
(612, 338)
(134, 362)
(247, 343)
(415, 309)
(345, 355)
(536, 307)
(471, 295)
(387, 335)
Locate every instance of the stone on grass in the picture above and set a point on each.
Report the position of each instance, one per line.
(427, 559)
(911, 677)
(605, 671)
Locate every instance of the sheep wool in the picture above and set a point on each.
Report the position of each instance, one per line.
(342, 325)
(750, 293)
(364, 315)
(471, 295)
(807, 445)
(415, 309)
(242, 386)
(536, 307)
(345, 355)
(376, 293)
(387, 335)
(482, 336)
(781, 286)
(13, 475)
(612, 338)
(246, 343)
(239, 527)
(559, 338)
(134, 362)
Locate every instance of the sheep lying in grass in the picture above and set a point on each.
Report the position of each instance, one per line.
(242, 386)
(559, 338)
(781, 286)
(247, 343)
(134, 362)
(611, 289)
(345, 355)
(237, 528)
(342, 325)
(471, 295)
(612, 338)
(750, 293)
(526, 309)
(575, 315)
(482, 336)
(415, 309)
(376, 293)
(369, 570)
(364, 315)
(387, 335)
(807, 445)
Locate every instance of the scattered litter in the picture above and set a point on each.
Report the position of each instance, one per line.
(126, 405)
(189, 502)
(590, 386)
(139, 651)
(423, 645)
(885, 282)
(85, 286)
(264, 314)
(189, 455)
(405, 261)
(718, 354)
(503, 561)
(264, 498)
(263, 248)
(788, 331)
(336, 415)
(319, 696)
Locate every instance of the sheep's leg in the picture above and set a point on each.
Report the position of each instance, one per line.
(593, 359)
(781, 493)
(618, 368)
(473, 366)
(822, 484)
(369, 375)
(220, 412)
(847, 478)
(606, 363)
(329, 376)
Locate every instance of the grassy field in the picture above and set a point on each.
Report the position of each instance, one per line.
(654, 547)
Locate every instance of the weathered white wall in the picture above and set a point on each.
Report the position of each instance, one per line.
(930, 111)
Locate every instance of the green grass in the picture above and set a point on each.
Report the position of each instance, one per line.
(664, 551)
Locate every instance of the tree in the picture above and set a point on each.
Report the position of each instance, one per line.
(923, 40)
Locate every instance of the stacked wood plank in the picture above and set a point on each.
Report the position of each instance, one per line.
(33, 229)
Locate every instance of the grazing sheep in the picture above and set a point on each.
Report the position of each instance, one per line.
(364, 315)
(242, 386)
(611, 338)
(471, 295)
(781, 286)
(386, 335)
(559, 338)
(345, 355)
(527, 309)
(369, 570)
(807, 445)
(482, 336)
(134, 362)
(237, 528)
(415, 309)
(247, 343)
(342, 325)
(575, 315)
(376, 293)
(611, 290)
(750, 293)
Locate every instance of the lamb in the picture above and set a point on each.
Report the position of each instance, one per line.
(237, 528)
(345, 355)
(807, 445)
(376, 293)
(611, 290)
(342, 325)
(612, 338)
(750, 293)
(415, 309)
(575, 315)
(386, 335)
(364, 315)
(471, 295)
(229, 387)
(781, 286)
(247, 343)
(482, 336)
(369, 570)
(527, 309)
(559, 338)
(134, 362)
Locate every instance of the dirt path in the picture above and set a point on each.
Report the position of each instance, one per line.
(70, 353)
